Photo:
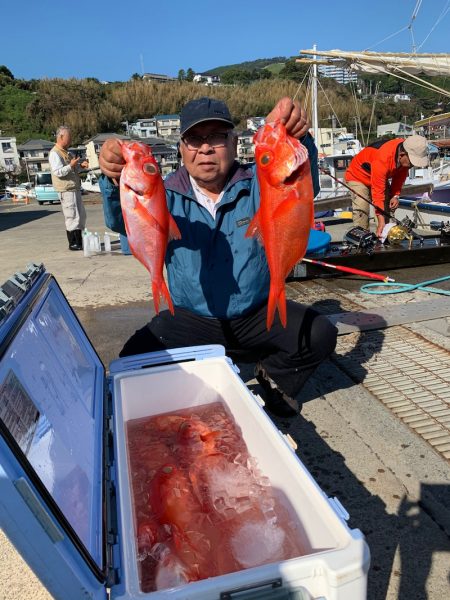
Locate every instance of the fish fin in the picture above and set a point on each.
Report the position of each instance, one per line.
(161, 291)
(174, 232)
(277, 298)
(286, 206)
(254, 229)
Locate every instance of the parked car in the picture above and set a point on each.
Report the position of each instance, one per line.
(43, 188)
(23, 190)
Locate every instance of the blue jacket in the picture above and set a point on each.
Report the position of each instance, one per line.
(213, 270)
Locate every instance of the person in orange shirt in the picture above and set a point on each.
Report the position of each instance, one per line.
(378, 173)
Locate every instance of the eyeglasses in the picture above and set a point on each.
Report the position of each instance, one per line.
(215, 140)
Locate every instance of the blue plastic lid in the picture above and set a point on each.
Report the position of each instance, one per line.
(51, 408)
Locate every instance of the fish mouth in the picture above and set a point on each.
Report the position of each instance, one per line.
(290, 179)
(299, 159)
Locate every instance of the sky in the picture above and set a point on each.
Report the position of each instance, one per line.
(111, 40)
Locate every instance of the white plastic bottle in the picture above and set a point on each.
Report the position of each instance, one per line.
(86, 243)
(107, 242)
(97, 245)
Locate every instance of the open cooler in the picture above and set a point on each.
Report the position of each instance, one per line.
(66, 499)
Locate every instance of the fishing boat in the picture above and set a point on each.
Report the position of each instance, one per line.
(429, 208)
(425, 200)
(342, 248)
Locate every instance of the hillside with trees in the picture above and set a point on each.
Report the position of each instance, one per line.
(35, 108)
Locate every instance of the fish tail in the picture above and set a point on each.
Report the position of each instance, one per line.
(160, 290)
(277, 298)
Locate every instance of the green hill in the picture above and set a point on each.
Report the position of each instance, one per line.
(35, 108)
(249, 65)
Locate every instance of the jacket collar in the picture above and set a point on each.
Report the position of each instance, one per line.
(179, 181)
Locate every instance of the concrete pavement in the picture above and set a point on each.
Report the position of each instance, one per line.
(391, 481)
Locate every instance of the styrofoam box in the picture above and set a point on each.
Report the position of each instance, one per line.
(337, 558)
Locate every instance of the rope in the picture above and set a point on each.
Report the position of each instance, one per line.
(398, 288)
(301, 83)
(439, 19)
(329, 103)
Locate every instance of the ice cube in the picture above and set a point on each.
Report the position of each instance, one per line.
(256, 543)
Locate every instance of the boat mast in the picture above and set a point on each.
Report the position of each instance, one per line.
(314, 102)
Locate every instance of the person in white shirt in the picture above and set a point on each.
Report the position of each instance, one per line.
(66, 181)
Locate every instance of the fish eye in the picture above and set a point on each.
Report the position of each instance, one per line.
(265, 159)
(150, 168)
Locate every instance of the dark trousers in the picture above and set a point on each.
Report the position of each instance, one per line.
(288, 356)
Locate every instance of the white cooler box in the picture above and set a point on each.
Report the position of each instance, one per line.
(65, 494)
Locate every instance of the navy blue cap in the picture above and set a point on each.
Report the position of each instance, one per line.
(203, 109)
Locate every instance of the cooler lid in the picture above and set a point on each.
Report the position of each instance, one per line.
(51, 406)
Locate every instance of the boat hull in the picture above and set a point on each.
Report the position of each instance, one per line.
(383, 258)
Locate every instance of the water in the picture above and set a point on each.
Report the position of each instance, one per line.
(202, 507)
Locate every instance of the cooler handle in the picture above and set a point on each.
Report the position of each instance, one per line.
(169, 356)
(265, 590)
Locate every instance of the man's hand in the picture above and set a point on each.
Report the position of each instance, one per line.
(111, 160)
(393, 202)
(84, 164)
(292, 115)
(74, 162)
(381, 223)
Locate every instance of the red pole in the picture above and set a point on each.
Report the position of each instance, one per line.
(384, 278)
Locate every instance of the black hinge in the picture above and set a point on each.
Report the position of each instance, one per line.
(110, 505)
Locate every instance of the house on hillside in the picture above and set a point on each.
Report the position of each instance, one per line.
(9, 156)
(143, 128)
(402, 98)
(206, 79)
(35, 154)
(157, 78)
(168, 126)
(245, 146)
(166, 155)
(395, 129)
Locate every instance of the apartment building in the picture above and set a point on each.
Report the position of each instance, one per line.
(9, 156)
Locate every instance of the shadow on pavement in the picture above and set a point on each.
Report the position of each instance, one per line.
(8, 220)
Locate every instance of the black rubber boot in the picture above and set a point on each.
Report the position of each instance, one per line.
(78, 238)
(73, 245)
(276, 402)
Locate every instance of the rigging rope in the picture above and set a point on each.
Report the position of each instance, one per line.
(373, 110)
(329, 103)
(439, 19)
(301, 83)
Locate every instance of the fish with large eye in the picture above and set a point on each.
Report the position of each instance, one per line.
(286, 213)
(148, 223)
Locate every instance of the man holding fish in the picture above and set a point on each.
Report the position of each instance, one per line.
(230, 234)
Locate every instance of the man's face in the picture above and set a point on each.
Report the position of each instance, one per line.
(207, 165)
(404, 161)
(65, 138)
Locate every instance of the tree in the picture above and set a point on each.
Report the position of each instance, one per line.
(136, 76)
(190, 74)
(181, 75)
(293, 71)
(5, 71)
(233, 76)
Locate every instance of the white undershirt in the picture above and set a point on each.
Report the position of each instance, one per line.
(204, 200)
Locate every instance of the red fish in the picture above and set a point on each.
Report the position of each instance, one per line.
(286, 213)
(148, 223)
(174, 504)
